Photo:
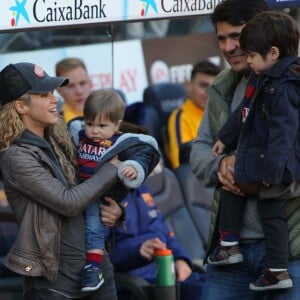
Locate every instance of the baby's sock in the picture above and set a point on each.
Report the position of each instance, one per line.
(94, 259)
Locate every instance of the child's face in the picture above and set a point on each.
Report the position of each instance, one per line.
(98, 130)
(260, 64)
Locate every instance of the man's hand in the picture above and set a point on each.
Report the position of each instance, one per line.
(226, 173)
(110, 213)
(182, 269)
(148, 247)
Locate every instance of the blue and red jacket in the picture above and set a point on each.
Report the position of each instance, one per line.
(143, 222)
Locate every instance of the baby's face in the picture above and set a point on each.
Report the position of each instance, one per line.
(100, 130)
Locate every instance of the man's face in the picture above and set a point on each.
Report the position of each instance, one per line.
(196, 88)
(78, 89)
(228, 38)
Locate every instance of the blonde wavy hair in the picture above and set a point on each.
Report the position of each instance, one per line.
(58, 136)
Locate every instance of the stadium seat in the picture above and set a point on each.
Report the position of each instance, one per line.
(198, 199)
(168, 196)
(169, 199)
(134, 113)
(10, 282)
(159, 101)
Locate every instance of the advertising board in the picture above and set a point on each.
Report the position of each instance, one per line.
(16, 15)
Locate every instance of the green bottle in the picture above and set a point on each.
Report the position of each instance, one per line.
(165, 267)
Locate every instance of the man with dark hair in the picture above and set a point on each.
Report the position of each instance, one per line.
(184, 121)
(225, 94)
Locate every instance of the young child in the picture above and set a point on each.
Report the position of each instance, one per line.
(264, 132)
(98, 142)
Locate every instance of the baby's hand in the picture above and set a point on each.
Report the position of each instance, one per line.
(129, 172)
(218, 148)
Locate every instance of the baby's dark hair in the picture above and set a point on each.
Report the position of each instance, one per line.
(271, 29)
(104, 104)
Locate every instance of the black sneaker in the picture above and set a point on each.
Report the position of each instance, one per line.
(269, 280)
(226, 256)
(92, 278)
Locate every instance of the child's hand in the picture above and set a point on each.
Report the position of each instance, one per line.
(129, 172)
(218, 148)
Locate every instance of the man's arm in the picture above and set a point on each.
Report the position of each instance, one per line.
(204, 163)
(208, 167)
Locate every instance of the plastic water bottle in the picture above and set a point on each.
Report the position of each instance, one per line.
(165, 267)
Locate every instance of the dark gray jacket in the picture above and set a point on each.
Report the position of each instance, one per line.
(40, 198)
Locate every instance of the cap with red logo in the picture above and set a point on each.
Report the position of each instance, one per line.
(20, 78)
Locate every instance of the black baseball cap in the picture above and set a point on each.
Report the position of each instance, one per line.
(20, 78)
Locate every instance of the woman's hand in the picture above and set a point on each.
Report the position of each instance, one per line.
(110, 213)
(148, 247)
(182, 269)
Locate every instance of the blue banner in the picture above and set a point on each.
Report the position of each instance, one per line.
(283, 3)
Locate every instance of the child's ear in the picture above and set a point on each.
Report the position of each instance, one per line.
(275, 53)
(119, 124)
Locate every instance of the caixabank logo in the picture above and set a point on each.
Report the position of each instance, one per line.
(19, 11)
(177, 6)
(186, 7)
(46, 11)
(148, 5)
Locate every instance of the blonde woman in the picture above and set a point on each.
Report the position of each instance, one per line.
(36, 161)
